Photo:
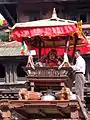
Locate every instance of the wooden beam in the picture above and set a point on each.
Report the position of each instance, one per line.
(42, 112)
(67, 45)
(22, 113)
(83, 110)
(76, 40)
(47, 84)
(19, 116)
(47, 80)
(9, 15)
(39, 49)
(61, 112)
(9, 1)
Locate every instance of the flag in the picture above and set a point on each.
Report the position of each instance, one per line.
(79, 25)
(2, 20)
(23, 48)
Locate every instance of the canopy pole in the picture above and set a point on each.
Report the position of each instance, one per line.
(74, 49)
(39, 48)
(67, 45)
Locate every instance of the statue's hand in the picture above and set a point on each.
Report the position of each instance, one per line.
(33, 67)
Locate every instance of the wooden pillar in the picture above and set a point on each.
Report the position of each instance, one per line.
(66, 45)
(7, 73)
(9, 15)
(15, 72)
(11, 73)
(32, 86)
(39, 49)
(74, 49)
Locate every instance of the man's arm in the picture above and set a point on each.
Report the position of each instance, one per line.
(78, 66)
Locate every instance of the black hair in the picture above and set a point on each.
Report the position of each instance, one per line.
(78, 51)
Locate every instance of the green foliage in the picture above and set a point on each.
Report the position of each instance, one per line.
(4, 36)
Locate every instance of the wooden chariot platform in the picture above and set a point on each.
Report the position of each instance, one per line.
(40, 79)
(49, 77)
(38, 109)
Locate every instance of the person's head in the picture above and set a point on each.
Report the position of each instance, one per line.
(52, 54)
(77, 53)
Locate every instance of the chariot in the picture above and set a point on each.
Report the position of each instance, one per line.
(43, 35)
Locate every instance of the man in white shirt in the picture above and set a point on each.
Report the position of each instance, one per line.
(79, 69)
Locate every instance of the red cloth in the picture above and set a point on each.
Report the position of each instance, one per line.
(19, 33)
(60, 51)
(52, 62)
(48, 32)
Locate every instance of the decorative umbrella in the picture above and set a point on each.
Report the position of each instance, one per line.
(50, 33)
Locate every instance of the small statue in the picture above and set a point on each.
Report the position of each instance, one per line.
(24, 94)
(65, 93)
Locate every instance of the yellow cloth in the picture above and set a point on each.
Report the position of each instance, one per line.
(79, 25)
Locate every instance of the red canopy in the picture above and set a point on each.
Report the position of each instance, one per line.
(53, 33)
(50, 31)
(47, 28)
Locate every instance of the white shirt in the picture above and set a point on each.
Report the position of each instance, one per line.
(80, 65)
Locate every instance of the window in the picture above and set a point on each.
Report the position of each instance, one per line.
(83, 17)
(20, 71)
(34, 15)
(73, 18)
(2, 71)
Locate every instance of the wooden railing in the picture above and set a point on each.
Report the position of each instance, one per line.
(50, 75)
(48, 72)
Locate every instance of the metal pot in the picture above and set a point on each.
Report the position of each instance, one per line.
(48, 97)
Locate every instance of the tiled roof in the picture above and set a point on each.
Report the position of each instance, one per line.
(10, 48)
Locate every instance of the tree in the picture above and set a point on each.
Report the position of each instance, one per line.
(4, 36)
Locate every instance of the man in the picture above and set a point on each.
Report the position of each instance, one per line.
(79, 69)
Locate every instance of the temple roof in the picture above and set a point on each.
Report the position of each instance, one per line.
(10, 48)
